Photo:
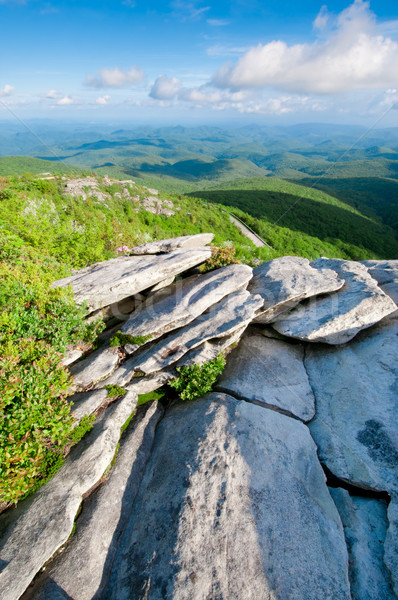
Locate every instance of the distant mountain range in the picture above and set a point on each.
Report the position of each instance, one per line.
(341, 186)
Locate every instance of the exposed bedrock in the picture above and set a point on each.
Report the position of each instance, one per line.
(336, 318)
(241, 510)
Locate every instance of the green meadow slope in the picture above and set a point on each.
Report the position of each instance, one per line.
(351, 227)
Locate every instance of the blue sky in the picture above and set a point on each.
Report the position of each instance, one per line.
(200, 61)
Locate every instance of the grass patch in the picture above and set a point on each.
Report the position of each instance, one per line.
(195, 381)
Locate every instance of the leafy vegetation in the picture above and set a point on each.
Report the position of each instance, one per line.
(304, 220)
(195, 381)
(150, 396)
(120, 339)
(115, 391)
(220, 257)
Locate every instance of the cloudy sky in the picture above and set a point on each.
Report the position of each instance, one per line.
(200, 60)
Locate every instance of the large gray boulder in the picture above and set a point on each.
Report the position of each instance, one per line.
(33, 532)
(356, 421)
(271, 373)
(108, 282)
(184, 300)
(232, 313)
(185, 241)
(80, 572)
(240, 511)
(365, 526)
(284, 282)
(338, 317)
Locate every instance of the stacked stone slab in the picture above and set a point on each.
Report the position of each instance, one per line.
(225, 497)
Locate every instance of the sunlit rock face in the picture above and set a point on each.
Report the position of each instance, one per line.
(281, 484)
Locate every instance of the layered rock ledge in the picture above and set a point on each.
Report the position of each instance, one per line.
(279, 485)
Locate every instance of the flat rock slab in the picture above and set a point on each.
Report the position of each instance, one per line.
(338, 317)
(107, 282)
(186, 299)
(86, 403)
(284, 282)
(240, 511)
(80, 572)
(185, 241)
(41, 524)
(365, 526)
(97, 366)
(209, 350)
(270, 373)
(356, 422)
(232, 313)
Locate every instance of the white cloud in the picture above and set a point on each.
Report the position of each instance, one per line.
(219, 50)
(322, 18)
(53, 94)
(115, 77)
(7, 90)
(188, 11)
(353, 56)
(102, 99)
(165, 88)
(65, 101)
(218, 22)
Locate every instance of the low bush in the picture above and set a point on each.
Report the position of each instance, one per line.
(220, 257)
(195, 381)
(120, 339)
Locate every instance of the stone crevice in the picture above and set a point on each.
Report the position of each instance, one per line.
(234, 394)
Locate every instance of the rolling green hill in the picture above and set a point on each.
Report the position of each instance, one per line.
(310, 212)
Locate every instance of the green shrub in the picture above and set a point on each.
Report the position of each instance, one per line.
(220, 257)
(115, 391)
(120, 339)
(196, 380)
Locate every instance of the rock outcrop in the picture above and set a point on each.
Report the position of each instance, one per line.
(337, 318)
(226, 496)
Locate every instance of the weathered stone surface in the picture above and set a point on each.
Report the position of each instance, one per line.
(150, 383)
(391, 543)
(95, 367)
(284, 281)
(356, 422)
(386, 274)
(86, 403)
(71, 356)
(209, 350)
(185, 241)
(27, 540)
(270, 373)
(80, 572)
(365, 525)
(184, 300)
(337, 318)
(110, 281)
(384, 271)
(232, 313)
(162, 284)
(240, 511)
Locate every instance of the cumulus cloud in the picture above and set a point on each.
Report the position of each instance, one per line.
(7, 90)
(102, 99)
(52, 94)
(116, 77)
(165, 88)
(353, 56)
(65, 101)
